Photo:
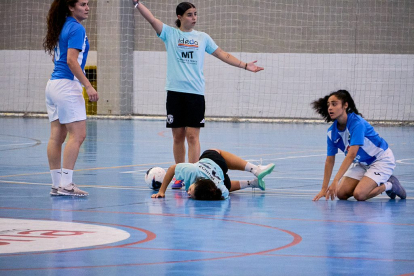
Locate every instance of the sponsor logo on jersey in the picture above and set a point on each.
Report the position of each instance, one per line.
(187, 43)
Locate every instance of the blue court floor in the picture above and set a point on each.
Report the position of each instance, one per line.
(120, 230)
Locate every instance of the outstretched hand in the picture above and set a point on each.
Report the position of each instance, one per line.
(251, 66)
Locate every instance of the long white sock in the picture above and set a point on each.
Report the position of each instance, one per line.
(248, 183)
(251, 168)
(388, 186)
(66, 177)
(56, 177)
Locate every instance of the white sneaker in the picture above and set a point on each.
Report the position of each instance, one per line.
(54, 191)
(257, 183)
(71, 190)
(264, 170)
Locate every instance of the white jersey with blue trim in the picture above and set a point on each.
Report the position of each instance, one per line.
(73, 35)
(204, 168)
(185, 59)
(358, 132)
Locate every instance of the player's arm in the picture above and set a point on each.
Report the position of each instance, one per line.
(74, 66)
(352, 153)
(165, 182)
(232, 60)
(329, 164)
(146, 13)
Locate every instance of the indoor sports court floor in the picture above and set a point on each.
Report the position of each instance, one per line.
(120, 230)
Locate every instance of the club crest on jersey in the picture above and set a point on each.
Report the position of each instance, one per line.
(170, 119)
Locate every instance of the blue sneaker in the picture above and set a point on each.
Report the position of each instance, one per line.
(264, 170)
(178, 184)
(397, 189)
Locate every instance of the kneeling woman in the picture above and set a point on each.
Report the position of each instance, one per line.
(368, 166)
(208, 180)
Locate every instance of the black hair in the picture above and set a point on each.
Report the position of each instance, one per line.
(321, 105)
(59, 10)
(206, 189)
(181, 9)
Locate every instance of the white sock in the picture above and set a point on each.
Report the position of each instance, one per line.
(248, 183)
(251, 168)
(388, 186)
(66, 177)
(56, 177)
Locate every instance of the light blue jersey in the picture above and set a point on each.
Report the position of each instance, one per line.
(358, 132)
(205, 168)
(73, 35)
(185, 59)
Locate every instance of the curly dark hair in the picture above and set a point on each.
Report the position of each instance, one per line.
(59, 10)
(321, 105)
(206, 189)
(181, 9)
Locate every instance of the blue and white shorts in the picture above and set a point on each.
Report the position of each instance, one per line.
(64, 101)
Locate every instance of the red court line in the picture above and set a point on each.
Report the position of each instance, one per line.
(296, 240)
(150, 236)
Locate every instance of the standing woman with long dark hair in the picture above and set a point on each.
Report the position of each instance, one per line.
(369, 163)
(66, 40)
(185, 79)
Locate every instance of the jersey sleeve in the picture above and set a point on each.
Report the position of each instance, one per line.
(186, 172)
(164, 32)
(331, 148)
(357, 132)
(224, 191)
(211, 46)
(76, 37)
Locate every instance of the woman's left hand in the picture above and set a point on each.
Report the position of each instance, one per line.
(332, 190)
(252, 67)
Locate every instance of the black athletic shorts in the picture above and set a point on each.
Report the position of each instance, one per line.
(185, 110)
(219, 160)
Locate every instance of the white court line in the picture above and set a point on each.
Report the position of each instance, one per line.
(21, 144)
(269, 192)
(402, 161)
(295, 157)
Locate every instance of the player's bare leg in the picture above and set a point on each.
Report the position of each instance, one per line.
(193, 139)
(179, 144)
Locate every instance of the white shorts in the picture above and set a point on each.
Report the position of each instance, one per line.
(379, 171)
(64, 101)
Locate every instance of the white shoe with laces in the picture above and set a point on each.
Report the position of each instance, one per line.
(54, 191)
(71, 190)
(262, 171)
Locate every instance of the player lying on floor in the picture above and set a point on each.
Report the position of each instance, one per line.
(208, 180)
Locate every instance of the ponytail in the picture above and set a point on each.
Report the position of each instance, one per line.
(56, 18)
(321, 105)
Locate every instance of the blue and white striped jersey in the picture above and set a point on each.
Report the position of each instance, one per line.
(357, 132)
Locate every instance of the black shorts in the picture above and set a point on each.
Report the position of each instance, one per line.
(219, 160)
(185, 110)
